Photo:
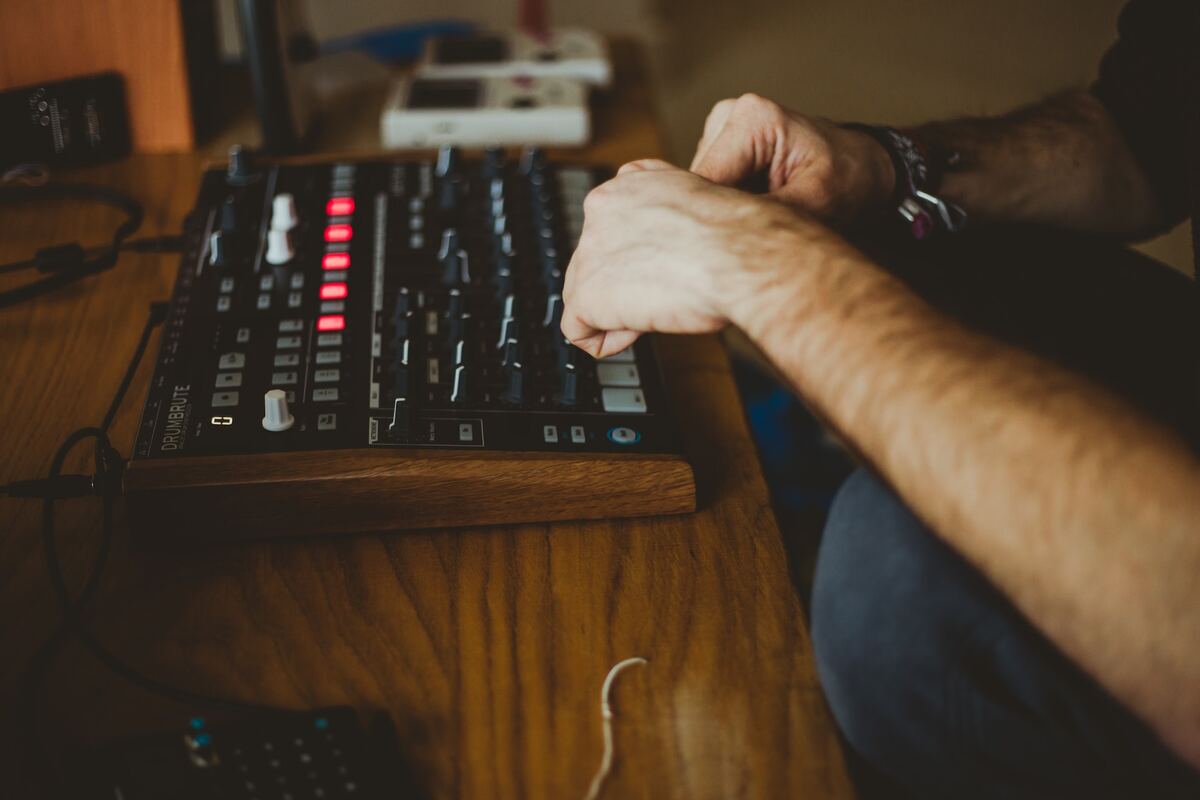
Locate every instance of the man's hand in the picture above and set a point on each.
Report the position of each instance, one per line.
(837, 175)
(665, 250)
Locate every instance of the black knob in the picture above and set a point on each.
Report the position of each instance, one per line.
(502, 250)
(493, 162)
(218, 249)
(402, 315)
(400, 370)
(546, 239)
(403, 303)
(456, 327)
(508, 330)
(554, 313)
(568, 386)
(238, 171)
(448, 194)
(449, 243)
(447, 169)
(512, 352)
(502, 279)
(454, 303)
(229, 220)
(401, 419)
(533, 160)
(456, 270)
(456, 316)
(508, 320)
(552, 275)
(449, 159)
(460, 388)
(566, 351)
(514, 389)
(496, 189)
(464, 267)
(400, 382)
(402, 327)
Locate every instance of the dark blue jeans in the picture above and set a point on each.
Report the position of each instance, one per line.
(940, 684)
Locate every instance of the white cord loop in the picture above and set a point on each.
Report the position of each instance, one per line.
(606, 714)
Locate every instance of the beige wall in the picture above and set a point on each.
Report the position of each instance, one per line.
(898, 61)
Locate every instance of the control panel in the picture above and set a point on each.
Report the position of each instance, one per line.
(401, 305)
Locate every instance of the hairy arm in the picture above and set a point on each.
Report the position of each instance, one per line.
(1062, 162)
(1084, 513)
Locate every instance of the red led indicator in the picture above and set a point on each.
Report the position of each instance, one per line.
(333, 291)
(338, 233)
(340, 206)
(331, 322)
(335, 261)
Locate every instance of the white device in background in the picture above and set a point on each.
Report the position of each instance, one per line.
(565, 53)
(424, 112)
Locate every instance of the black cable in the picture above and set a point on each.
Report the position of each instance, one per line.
(73, 608)
(43, 658)
(109, 466)
(106, 479)
(67, 263)
(158, 315)
(149, 244)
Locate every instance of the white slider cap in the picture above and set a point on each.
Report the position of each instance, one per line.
(283, 212)
(276, 416)
(279, 246)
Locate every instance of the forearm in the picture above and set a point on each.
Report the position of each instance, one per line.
(1084, 514)
(1061, 162)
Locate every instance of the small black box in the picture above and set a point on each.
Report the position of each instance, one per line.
(71, 122)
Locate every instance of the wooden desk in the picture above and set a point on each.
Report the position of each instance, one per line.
(486, 647)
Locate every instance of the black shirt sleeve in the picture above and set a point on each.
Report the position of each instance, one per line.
(1145, 84)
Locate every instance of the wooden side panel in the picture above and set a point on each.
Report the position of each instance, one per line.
(290, 494)
(45, 40)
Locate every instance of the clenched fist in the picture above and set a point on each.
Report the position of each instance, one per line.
(839, 176)
(666, 250)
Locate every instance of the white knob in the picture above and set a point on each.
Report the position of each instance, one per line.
(283, 212)
(276, 416)
(279, 246)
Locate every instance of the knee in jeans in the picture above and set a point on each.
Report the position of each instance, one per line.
(875, 630)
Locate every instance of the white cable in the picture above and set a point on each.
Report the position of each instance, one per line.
(606, 715)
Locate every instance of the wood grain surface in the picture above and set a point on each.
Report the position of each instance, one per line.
(487, 647)
(353, 491)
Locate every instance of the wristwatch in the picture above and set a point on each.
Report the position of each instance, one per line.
(918, 175)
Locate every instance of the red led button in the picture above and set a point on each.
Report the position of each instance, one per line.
(335, 261)
(333, 291)
(338, 233)
(340, 206)
(331, 322)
